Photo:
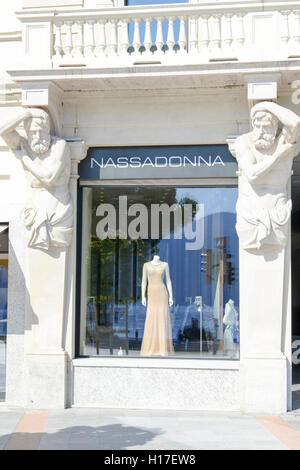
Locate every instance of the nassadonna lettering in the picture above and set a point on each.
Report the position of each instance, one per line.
(174, 161)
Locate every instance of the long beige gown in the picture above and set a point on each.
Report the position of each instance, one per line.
(157, 339)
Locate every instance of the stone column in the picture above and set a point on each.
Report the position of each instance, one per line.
(49, 271)
(78, 153)
(50, 313)
(265, 159)
(264, 313)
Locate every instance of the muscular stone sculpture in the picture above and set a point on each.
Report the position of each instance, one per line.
(265, 158)
(47, 164)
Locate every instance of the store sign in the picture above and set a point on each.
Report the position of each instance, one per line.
(192, 161)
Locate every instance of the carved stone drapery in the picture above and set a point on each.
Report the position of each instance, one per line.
(265, 158)
(46, 160)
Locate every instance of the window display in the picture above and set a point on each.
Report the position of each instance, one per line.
(159, 272)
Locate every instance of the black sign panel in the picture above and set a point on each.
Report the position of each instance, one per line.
(190, 161)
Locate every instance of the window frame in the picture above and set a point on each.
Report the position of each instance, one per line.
(184, 182)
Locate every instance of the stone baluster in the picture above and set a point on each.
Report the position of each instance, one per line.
(284, 29)
(112, 47)
(79, 39)
(101, 39)
(296, 34)
(147, 39)
(227, 36)
(58, 42)
(90, 39)
(216, 39)
(193, 40)
(203, 42)
(119, 35)
(136, 43)
(240, 31)
(159, 42)
(170, 37)
(182, 41)
(69, 42)
(124, 39)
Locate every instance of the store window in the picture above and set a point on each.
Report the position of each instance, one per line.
(159, 275)
(3, 305)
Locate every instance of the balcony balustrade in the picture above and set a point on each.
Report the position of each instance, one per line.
(193, 33)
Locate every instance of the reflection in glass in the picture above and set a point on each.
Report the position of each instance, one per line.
(197, 239)
(3, 323)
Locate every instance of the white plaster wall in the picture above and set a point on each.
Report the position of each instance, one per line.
(13, 191)
(13, 187)
(144, 387)
(15, 393)
(158, 117)
(8, 20)
(12, 184)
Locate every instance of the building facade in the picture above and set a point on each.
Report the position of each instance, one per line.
(147, 153)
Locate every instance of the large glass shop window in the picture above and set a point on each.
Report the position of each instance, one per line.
(3, 305)
(159, 272)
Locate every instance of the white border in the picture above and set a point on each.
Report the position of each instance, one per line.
(161, 363)
(164, 362)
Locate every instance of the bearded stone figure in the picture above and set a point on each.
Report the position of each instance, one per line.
(47, 164)
(265, 158)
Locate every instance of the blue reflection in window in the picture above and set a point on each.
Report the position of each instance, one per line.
(3, 299)
(154, 22)
(205, 284)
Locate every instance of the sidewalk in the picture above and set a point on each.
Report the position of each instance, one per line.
(97, 429)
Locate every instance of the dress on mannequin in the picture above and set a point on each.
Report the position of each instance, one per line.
(157, 339)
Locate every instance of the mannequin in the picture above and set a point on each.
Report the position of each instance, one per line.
(157, 339)
(230, 320)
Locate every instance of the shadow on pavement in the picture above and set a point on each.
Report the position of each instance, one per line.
(109, 437)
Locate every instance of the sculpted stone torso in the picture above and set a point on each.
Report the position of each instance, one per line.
(47, 165)
(60, 175)
(265, 159)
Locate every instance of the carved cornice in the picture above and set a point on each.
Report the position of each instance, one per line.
(45, 95)
(78, 153)
(10, 36)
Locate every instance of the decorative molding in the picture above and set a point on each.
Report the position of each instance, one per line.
(101, 78)
(50, 3)
(109, 3)
(46, 95)
(11, 36)
(262, 87)
(231, 144)
(78, 153)
(10, 95)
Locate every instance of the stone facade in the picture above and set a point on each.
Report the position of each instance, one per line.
(97, 94)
